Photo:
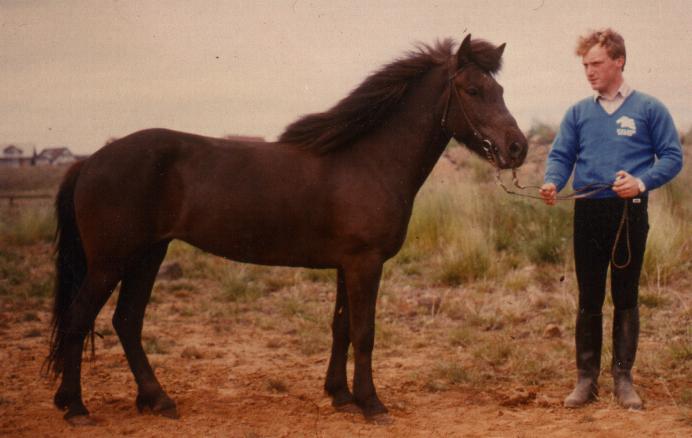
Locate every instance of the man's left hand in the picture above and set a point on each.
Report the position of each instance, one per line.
(626, 186)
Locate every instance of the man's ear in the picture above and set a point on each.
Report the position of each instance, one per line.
(620, 62)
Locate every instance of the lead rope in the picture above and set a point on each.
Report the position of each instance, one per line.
(580, 193)
(624, 222)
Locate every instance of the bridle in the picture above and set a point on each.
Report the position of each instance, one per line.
(488, 146)
(492, 155)
(491, 150)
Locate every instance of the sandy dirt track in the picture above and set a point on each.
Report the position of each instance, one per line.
(250, 382)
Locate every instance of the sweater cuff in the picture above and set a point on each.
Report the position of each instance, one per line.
(558, 186)
(642, 186)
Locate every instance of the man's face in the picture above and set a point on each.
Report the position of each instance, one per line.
(603, 73)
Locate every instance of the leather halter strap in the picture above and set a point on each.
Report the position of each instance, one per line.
(488, 146)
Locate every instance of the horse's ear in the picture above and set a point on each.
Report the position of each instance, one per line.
(464, 53)
(500, 50)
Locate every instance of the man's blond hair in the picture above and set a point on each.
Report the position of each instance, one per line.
(608, 38)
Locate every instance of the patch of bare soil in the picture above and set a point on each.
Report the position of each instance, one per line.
(234, 377)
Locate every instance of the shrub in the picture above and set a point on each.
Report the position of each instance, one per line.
(541, 133)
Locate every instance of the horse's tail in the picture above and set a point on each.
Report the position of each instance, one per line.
(70, 268)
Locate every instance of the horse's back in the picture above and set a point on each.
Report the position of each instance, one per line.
(268, 203)
(221, 195)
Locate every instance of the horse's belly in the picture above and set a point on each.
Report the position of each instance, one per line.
(279, 249)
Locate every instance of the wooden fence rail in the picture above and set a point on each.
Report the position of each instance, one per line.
(12, 196)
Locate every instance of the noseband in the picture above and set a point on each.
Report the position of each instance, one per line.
(489, 147)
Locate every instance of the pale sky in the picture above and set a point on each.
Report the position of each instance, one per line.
(78, 72)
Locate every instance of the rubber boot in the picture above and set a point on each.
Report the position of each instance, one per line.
(625, 338)
(589, 335)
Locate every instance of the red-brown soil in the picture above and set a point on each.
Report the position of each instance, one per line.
(243, 381)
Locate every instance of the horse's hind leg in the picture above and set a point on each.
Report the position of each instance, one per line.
(93, 294)
(128, 320)
(336, 384)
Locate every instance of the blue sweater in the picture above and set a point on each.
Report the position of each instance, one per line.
(639, 137)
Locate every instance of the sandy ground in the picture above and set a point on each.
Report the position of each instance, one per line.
(250, 382)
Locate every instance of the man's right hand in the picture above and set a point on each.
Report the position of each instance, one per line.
(548, 192)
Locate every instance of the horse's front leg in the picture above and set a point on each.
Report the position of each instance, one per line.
(362, 280)
(336, 384)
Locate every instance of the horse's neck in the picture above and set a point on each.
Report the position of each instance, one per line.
(412, 139)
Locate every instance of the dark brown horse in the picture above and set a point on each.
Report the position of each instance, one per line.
(336, 191)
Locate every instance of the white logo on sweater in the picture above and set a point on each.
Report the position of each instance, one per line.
(626, 126)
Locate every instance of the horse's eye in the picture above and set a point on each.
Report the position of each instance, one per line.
(472, 91)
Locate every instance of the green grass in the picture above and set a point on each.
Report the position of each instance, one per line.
(26, 272)
(494, 353)
(681, 351)
(461, 337)
(686, 397)
(153, 345)
(453, 373)
(652, 299)
(467, 232)
(447, 374)
(319, 275)
(237, 286)
(12, 275)
(296, 306)
(668, 251)
(27, 224)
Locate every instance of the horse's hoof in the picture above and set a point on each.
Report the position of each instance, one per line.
(169, 412)
(81, 420)
(78, 420)
(75, 410)
(160, 405)
(342, 398)
(60, 403)
(382, 419)
(372, 408)
(62, 400)
(349, 408)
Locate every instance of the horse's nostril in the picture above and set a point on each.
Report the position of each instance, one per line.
(515, 149)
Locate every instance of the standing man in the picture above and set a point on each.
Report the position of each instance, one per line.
(627, 139)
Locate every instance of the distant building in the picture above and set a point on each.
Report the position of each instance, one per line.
(55, 156)
(12, 151)
(17, 155)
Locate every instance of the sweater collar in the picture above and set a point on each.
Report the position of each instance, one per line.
(622, 93)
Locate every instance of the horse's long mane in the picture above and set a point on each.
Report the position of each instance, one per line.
(372, 101)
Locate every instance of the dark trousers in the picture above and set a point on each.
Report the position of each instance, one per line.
(596, 223)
